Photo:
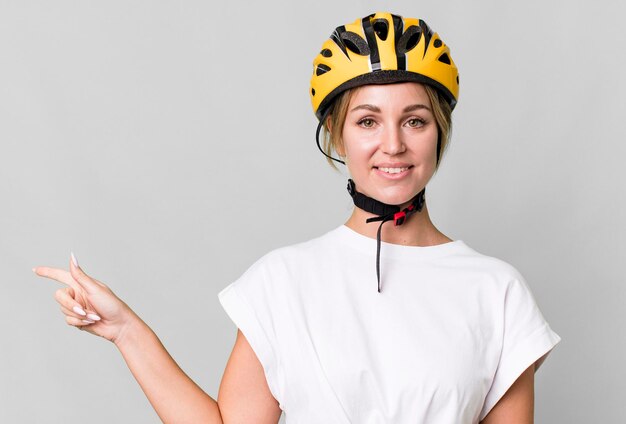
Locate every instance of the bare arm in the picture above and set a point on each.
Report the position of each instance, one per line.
(173, 395)
(518, 403)
(244, 396)
(90, 305)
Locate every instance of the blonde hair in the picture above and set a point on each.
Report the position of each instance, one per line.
(333, 125)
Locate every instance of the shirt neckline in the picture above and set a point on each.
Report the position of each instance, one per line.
(368, 245)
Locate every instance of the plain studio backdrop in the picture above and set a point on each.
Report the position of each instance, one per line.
(170, 144)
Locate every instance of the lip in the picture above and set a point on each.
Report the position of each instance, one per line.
(393, 165)
(396, 176)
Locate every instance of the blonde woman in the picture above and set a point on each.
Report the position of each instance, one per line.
(383, 319)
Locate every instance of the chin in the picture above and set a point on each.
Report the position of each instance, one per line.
(396, 198)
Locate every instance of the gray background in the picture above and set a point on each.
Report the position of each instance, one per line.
(170, 144)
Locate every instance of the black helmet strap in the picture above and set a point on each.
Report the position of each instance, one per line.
(385, 213)
(317, 135)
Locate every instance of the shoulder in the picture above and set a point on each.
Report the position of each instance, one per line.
(489, 265)
(287, 260)
(299, 253)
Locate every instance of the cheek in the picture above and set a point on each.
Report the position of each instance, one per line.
(429, 150)
(427, 147)
(357, 148)
(359, 155)
(357, 159)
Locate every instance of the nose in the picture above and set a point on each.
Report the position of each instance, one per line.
(392, 142)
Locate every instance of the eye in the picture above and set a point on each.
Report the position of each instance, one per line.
(366, 122)
(415, 122)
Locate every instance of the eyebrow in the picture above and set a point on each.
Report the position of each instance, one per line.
(407, 109)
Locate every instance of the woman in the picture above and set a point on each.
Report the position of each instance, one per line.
(448, 336)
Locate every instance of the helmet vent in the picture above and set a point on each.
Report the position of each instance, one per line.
(381, 28)
(355, 43)
(321, 69)
(381, 48)
(409, 39)
(444, 58)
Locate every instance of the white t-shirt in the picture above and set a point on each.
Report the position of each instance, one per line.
(448, 334)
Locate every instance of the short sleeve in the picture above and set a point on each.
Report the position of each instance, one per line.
(246, 303)
(527, 339)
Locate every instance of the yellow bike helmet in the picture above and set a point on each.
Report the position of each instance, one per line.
(378, 49)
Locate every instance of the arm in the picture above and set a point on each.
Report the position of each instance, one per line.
(90, 305)
(172, 394)
(517, 404)
(244, 384)
(244, 395)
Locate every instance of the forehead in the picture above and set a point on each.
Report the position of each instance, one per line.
(391, 96)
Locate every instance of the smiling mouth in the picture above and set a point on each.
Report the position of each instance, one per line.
(393, 170)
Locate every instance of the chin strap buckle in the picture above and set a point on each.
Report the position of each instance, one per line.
(399, 217)
(351, 188)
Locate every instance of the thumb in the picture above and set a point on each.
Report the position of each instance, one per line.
(88, 283)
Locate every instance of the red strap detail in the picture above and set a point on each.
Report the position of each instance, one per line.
(399, 217)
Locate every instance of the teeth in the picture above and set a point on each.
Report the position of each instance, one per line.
(393, 170)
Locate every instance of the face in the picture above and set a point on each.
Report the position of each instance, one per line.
(390, 141)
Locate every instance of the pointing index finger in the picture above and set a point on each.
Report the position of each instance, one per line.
(60, 275)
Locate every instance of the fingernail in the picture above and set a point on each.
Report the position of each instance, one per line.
(34, 271)
(79, 310)
(88, 321)
(93, 317)
(74, 259)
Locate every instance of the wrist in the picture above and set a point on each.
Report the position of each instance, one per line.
(131, 331)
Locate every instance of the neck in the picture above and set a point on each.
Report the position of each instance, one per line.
(418, 230)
